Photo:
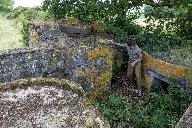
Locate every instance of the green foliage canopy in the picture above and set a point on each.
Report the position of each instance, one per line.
(116, 15)
(170, 17)
(6, 5)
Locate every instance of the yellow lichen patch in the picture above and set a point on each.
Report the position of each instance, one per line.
(93, 73)
(34, 37)
(84, 74)
(109, 60)
(52, 27)
(50, 22)
(163, 67)
(179, 72)
(71, 51)
(71, 21)
(100, 82)
(103, 79)
(166, 69)
(98, 53)
(29, 56)
(98, 26)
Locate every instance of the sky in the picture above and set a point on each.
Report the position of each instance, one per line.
(27, 3)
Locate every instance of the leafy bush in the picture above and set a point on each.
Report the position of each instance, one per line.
(6, 5)
(24, 15)
(122, 34)
(156, 110)
(170, 48)
(114, 108)
(115, 15)
(170, 17)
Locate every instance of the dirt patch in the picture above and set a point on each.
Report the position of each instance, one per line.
(121, 85)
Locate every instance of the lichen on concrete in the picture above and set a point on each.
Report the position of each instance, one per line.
(53, 53)
(43, 103)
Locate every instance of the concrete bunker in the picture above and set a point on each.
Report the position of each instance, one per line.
(53, 53)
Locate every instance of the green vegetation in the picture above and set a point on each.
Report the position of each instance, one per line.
(167, 32)
(6, 5)
(169, 48)
(9, 34)
(156, 110)
(23, 15)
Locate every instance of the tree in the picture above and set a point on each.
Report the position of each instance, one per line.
(6, 5)
(170, 17)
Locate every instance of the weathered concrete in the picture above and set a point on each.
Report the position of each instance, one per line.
(45, 33)
(47, 102)
(186, 120)
(83, 60)
(181, 75)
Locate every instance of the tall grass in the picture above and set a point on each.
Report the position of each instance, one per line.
(10, 34)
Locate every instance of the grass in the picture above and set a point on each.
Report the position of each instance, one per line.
(156, 110)
(10, 36)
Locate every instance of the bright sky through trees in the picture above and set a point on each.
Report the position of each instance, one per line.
(28, 3)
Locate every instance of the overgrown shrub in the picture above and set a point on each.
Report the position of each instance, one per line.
(6, 5)
(116, 15)
(170, 17)
(156, 110)
(24, 15)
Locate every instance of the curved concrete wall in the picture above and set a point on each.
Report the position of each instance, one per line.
(91, 67)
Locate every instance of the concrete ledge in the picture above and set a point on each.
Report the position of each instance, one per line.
(186, 120)
(182, 74)
(64, 83)
(47, 102)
